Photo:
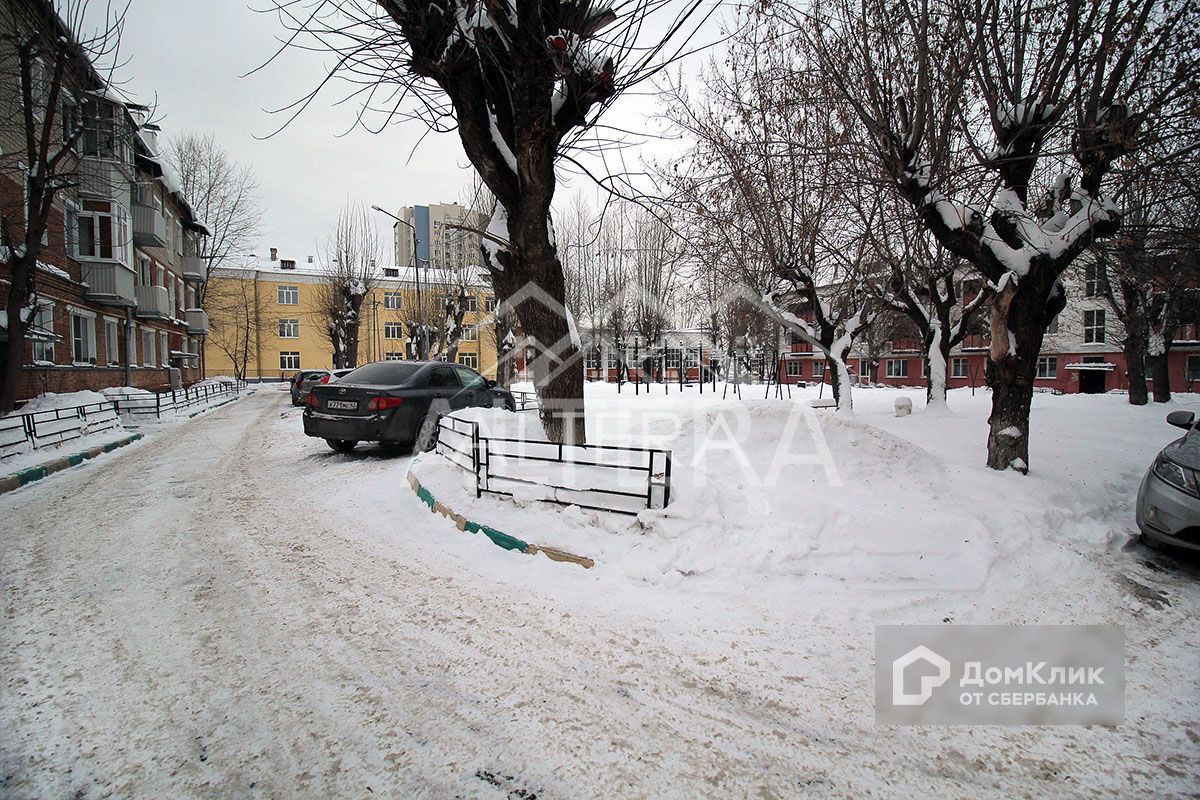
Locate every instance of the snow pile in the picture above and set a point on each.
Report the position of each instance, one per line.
(51, 401)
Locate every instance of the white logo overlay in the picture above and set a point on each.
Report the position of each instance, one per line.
(928, 682)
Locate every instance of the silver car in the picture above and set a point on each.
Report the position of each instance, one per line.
(1168, 503)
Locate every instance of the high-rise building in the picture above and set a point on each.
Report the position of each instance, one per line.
(440, 244)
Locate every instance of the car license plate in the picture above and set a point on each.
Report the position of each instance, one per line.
(342, 405)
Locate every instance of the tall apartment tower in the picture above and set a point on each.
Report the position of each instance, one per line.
(439, 244)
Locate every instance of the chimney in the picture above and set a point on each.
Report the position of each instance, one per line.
(274, 253)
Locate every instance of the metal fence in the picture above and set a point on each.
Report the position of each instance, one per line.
(623, 480)
(36, 430)
(140, 403)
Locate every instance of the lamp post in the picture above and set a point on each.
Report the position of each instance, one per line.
(423, 348)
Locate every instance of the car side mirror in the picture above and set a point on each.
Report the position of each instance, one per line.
(491, 384)
(1181, 419)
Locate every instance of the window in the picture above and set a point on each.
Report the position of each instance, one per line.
(1090, 275)
(674, 358)
(1093, 326)
(391, 300)
(795, 369)
(818, 369)
(289, 329)
(164, 350)
(393, 356)
(83, 338)
(897, 368)
(393, 330)
(471, 333)
(391, 272)
(612, 359)
(959, 368)
(442, 377)
(103, 229)
(469, 360)
(71, 228)
(287, 263)
(489, 304)
(592, 358)
(289, 360)
(145, 271)
(1047, 367)
(70, 119)
(147, 348)
(288, 296)
(112, 338)
(1193, 368)
(171, 300)
(44, 319)
(470, 302)
(106, 130)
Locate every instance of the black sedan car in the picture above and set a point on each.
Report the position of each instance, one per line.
(396, 403)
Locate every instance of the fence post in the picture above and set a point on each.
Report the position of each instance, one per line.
(667, 481)
(158, 405)
(476, 442)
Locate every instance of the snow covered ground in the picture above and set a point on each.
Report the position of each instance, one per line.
(236, 610)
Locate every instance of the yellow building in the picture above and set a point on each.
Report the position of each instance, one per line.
(265, 320)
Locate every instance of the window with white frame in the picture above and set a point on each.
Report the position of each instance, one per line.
(164, 349)
(145, 270)
(674, 358)
(1093, 326)
(289, 329)
(469, 360)
(1090, 281)
(288, 296)
(959, 368)
(107, 132)
(112, 339)
(289, 360)
(818, 369)
(148, 348)
(83, 337)
(897, 368)
(795, 369)
(489, 304)
(591, 358)
(43, 352)
(391, 299)
(1047, 367)
(393, 330)
(470, 302)
(471, 334)
(393, 356)
(612, 359)
(171, 304)
(103, 231)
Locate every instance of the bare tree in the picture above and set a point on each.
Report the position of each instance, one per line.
(350, 272)
(237, 323)
(523, 81)
(763, 191)
(48, 63)
(1041, 95)
(224, 195)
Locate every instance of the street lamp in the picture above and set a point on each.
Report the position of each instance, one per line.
(423, 350)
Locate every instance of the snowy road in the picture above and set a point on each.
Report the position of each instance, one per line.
(191, 618)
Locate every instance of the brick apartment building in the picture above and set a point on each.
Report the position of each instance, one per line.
(118, 279)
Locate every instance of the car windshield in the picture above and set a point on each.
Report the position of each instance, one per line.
(384, 373)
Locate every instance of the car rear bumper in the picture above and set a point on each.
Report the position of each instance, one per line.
(371, 428)
(1168, 516)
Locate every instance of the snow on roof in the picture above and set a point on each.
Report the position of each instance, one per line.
(475, 275)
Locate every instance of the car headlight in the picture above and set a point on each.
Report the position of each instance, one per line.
(1178, 476)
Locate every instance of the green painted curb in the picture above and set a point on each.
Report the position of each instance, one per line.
(18, 479)
(498, 538)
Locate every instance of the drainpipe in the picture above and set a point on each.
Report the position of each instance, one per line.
(257, 331)
(126, 359)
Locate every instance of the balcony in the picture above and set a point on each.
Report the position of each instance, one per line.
(153, 303)
(197, 321)
(195, 269)
(906, 346)
(106, 178)
(109, 282)
(149, 226)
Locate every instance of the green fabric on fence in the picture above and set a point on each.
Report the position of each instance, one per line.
(503, 539)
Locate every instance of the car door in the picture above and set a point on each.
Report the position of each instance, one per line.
(474, 386)
(446, 390)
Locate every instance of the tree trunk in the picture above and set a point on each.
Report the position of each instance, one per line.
(1018, 324)
(14, 358)
(1136, 347)
(843, 394)
(1160, 373)
(937, 348)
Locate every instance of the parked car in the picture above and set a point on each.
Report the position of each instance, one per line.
(1168, 503)
(396, 403)
(298, 381)
(314, 377)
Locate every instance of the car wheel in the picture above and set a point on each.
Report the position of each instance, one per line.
(341, 445)
(427, 435)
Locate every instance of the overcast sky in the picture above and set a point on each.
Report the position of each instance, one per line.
(190, 57)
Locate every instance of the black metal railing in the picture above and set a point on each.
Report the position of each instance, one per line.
(616, 478)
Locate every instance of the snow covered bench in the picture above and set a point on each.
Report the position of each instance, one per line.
(824, 403)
